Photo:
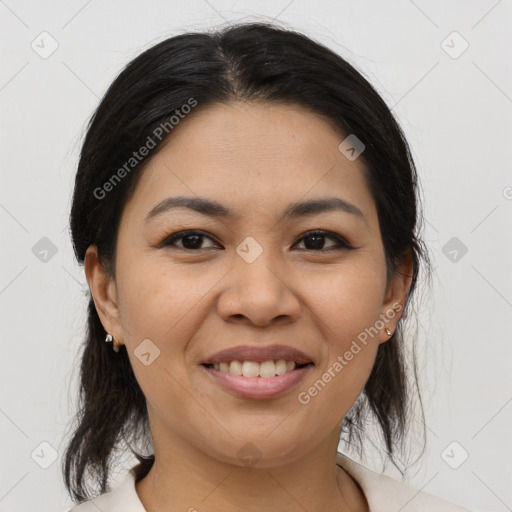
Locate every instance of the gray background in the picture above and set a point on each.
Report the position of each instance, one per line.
(455, 108)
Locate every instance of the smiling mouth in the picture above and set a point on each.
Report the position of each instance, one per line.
(252, 369)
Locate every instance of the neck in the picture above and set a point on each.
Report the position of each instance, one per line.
(188, 479)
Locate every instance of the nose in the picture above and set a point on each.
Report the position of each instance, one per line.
(258, 293)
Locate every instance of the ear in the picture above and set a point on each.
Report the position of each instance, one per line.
(104, 292)
(396, 295)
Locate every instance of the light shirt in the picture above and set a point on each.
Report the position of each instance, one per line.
(383, 494)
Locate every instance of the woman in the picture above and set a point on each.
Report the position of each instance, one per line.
(245, 208)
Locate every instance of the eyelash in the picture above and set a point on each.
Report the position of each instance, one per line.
(341, 243)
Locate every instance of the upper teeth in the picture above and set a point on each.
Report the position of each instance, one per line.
(253, 369)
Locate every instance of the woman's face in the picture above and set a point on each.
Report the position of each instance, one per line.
(254, 277)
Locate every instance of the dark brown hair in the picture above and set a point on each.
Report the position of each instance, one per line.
(243, 62)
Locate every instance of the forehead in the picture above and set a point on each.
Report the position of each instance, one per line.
(254, 158)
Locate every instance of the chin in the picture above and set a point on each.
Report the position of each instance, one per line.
(259, 449)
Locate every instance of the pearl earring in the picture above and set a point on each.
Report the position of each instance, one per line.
(109, 338)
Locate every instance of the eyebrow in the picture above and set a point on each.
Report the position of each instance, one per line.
(213, 208)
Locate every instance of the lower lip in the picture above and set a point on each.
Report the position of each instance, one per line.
(258, 388)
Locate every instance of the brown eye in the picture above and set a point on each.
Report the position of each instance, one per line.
(190, 240)
(315, 240)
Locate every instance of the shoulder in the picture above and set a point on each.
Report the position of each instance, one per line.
(383, 492)
(121, 498)
(95, 504)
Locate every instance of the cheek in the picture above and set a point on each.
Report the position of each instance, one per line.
(156, 299)
(347, 300)
(162, 305)
(348, 304)
(349, 353)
